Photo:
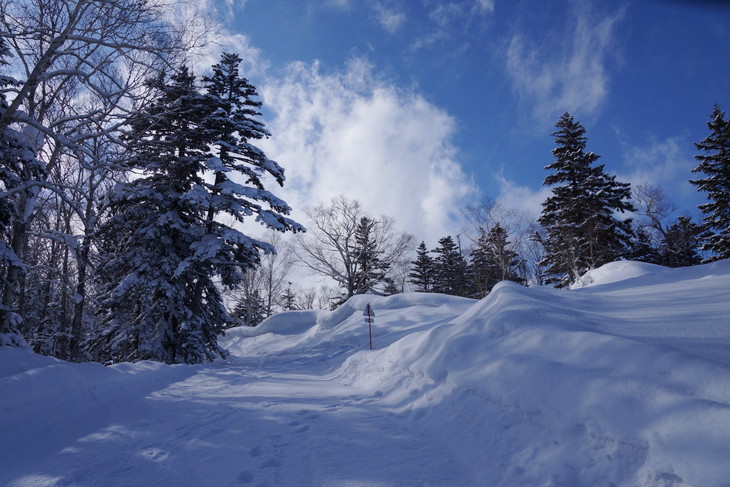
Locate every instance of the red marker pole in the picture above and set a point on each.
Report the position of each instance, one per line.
(370, 328)
(369, 314)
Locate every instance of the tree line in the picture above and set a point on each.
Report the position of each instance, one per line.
(125, 178)
(588, 220)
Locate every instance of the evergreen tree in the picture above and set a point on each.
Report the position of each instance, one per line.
(493, 261)
(715, 165)
(18, 169)
(507, 261)
(582, 231)
(250, 310)
(390, 288)
(422, 270)
(682, 243)
(289, 299)
(370, 270)
(644, 249)
(162, 247)
(450, 269)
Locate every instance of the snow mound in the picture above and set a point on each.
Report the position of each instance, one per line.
(623, 382)
(625, 385)
(287, 323)
(343, 330)
(615, 272)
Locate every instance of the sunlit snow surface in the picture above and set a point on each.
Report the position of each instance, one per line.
(624, 380)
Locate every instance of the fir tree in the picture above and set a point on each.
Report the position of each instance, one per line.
(715, 165)
(450, 269)
(506, 260)
(682, 243)
(370, 270)
(390, 288)
(582, 231)
(289, 299)
(162, 247)
(19, 168)
(493, 261)
(422, 270)
(644, 248)
(250, 310)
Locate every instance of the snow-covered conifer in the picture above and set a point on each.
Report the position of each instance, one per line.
(682, 242)
(163, 247)
(250, 309)
(370, 270)
(289, 299)
(450, 269)
(422, 270)
(492, 261)
(582, 231)
(715, 165)
(18, 169)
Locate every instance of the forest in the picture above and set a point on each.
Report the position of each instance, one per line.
(128, 182)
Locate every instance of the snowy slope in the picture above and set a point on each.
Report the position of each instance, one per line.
(624, 380)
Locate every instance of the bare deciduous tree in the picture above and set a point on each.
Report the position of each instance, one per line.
(268, 280)
(329, 248)
(652, 204)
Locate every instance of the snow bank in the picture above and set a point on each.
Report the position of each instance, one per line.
(343, 330)
(622, 381)
(615, 272)
(611, 396)
(44, 398)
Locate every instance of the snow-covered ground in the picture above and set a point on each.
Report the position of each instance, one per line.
(624, 380)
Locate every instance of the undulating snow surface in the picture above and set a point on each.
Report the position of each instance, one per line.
(624, 380)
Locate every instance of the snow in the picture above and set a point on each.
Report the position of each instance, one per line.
(624, 380)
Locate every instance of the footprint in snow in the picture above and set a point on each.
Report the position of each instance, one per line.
(270, 463)
(246, 477)
(298, 426)
(307, 414)
(256, 451)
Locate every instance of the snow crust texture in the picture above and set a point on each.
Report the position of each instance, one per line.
(621, 381)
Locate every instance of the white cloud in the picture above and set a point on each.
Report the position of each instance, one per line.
(569, 74)
(447, 14)
(340, 4)
(384, 12)
(253, 64)
(522, 199)
(665, 163)
(349, 133)
(388, 18)
(485, 5)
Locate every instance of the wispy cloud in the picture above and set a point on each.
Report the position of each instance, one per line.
(253, 64)
(389, 18)
(569, 74)
(448, 13)
(350, 133)
(485, 5)
(448, 20)
(665, 163)
(522, 199)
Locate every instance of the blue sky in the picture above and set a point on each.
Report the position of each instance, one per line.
(419, 107)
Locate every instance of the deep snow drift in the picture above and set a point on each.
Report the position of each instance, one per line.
(624, 380)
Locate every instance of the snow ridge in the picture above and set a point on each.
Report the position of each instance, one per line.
(624, 381)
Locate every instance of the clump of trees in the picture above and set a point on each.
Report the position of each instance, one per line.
(589, 219)
(361, 253)
(114, 181)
